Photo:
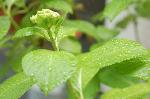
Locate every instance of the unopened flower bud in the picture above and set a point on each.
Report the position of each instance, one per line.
(45, 18)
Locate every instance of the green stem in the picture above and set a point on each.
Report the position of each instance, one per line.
(20, 12)
(8, 13)
(13, 22)
(137, 35)
(53, 41)
(54, 44)
(11, 18)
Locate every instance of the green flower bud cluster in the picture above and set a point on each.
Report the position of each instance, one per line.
(45, 18)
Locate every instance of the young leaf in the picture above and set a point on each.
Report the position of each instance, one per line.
(115, 51)
(143, 8)
(124, 23)
(5, 25)
(65, 32)
(83, 26)
(20, 3)
(16, 86)
(133, 92)
(25, 22)
(29, 31)
(58, 5)
(70, 44)
(115, 7)
(49, 68)
(105, 33)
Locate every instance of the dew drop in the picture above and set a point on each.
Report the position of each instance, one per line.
(49, 69)
(32, 74)
(65, 73)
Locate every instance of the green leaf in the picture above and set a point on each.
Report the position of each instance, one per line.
(115, 7)
(5, 25)
(20, 3)
(96, 45)
(114, 79)
(124, 23)
(65, 32)
(105, 33)
(92, 89)
(3, 42)
(90, 92)
(143, 8)
(29, 31)
(49, 68)
(4, 70)
(71, 2)
(9, 3)
(25, 22)
(82, 26)
(90, 63)
(70, 44)
(15, 86)
(143, 71)
(15, 58)
(72, 94)
(58, 5)
(137, 68)
(133, 92)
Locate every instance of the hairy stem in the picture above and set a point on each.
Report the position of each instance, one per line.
(53, 41)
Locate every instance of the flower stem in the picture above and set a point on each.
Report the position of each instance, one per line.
(53, 41)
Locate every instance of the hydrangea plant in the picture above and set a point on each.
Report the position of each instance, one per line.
(120, 64)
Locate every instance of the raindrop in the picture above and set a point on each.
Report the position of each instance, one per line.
(49, 69)
(32, 74)
(65, 73)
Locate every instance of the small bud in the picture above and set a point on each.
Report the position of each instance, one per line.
(45, 18)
